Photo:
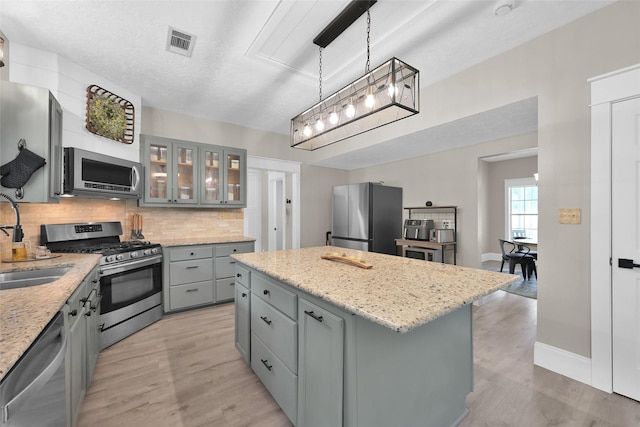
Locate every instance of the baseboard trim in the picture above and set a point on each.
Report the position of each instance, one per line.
(562, 362)
(491, 257)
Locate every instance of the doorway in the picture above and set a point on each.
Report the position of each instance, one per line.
(273, 201)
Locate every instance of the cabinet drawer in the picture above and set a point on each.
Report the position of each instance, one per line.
(233, 248)
(190, 295)
(190, 252)
(281, 383)
(275, 295)
(276, 331)
(225, 289)
(190, 271)
(225, 267)
(243, 276)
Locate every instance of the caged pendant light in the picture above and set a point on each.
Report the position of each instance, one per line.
(388, 93)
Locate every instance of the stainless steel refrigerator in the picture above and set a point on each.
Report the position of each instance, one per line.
(367, 217)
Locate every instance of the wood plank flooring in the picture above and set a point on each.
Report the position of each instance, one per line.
(184, 371)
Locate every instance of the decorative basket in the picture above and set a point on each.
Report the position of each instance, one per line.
(109, 115)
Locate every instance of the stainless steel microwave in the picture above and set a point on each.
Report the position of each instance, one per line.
(89, 174)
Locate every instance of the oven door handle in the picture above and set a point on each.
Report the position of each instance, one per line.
(109, 270)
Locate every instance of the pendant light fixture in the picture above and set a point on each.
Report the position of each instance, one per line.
(388, 93)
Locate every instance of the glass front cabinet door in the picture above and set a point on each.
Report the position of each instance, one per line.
(212, 165)
(235, 174)
(185, 178)
(159, 172)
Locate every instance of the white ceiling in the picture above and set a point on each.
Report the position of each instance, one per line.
(254, 63)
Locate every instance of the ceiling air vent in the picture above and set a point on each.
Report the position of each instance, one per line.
(180, 42)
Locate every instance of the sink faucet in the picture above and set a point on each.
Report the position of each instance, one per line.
(17, 229)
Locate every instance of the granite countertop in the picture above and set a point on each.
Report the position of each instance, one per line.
(25, 312)
(185, 241)
(398, 293)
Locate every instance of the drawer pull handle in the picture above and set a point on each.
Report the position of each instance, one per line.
(265, 320)
(192, 290)
(310, 313)
(232, 262)
(232, 283)
(266, 292)
(264, 362)
(191, 266)
(244, 295)
(192, 254)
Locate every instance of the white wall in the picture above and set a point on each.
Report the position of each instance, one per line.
(555, 68)
(68, 82)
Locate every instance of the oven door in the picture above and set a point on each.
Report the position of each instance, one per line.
(129, 283)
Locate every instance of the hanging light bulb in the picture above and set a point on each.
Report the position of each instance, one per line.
(333, 117)
(306, 131)
(351, 109)
(369, 101)
(319, 124)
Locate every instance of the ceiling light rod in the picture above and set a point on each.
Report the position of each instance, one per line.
(348, 16)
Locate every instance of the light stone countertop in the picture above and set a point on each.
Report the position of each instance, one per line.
(186, 241)
(25, 312)
(398, 293)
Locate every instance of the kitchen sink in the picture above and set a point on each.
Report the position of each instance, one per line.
(25, 278)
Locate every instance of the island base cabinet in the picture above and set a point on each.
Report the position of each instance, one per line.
(243, 321)
(320, 367)
(280, 381)
(418, 378)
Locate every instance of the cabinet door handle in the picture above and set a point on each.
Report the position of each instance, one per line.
(192, 290)
(264, 362)
(310, 313)
(265, 320)
(238, 275)
(73, 313)
(266, 292)
(244, 295)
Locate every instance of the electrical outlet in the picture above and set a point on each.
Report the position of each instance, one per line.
(570, 215)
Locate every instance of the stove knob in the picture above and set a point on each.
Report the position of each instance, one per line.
(110, 258)
(147, 251)
(155, 250)
(135, 254)
(120, 257)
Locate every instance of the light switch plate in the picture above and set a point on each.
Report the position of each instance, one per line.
(570, 215)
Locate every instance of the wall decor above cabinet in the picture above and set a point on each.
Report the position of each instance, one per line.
(191, 174)
(109, 115)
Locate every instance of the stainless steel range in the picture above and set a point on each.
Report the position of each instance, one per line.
(130, 274)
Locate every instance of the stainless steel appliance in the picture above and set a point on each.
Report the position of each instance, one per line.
(33, 392)
(130, 274)
(442, 235)
(91, 174)
(425, 254)
(367, 217)
(417, 229)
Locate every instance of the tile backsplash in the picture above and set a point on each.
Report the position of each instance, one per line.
(159, 223)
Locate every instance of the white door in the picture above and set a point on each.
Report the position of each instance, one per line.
(625, 245)
(277, 211)
(253, 211)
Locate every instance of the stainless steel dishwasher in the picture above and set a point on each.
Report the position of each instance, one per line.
(33, 392)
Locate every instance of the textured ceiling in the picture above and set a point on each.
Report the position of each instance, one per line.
(254, 63)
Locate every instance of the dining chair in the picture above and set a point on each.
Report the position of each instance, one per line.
(514, 257)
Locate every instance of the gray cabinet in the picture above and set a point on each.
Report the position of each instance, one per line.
(243, 321)
(225, 268)
(92, 316)
(83, 343)
(190, 174)
(274, 341)
(197, 275)
(188, 279)
(344, 370)
(320, 369)
(33, 115)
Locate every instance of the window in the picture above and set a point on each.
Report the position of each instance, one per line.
(521, 200)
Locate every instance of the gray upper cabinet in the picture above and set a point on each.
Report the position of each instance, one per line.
(33, 115)
(182, 173)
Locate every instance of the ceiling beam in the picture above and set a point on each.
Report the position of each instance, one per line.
(348, 16)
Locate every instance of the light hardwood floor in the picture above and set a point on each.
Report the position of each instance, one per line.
(184, 371)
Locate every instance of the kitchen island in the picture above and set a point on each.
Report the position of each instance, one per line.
(345, 346)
